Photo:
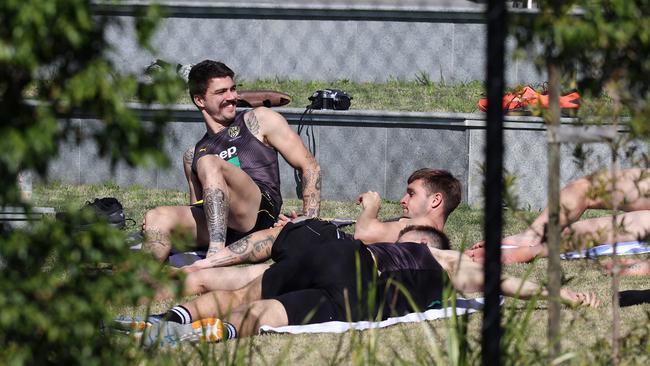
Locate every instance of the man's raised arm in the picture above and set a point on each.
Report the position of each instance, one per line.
(368, 228)
(279, 135)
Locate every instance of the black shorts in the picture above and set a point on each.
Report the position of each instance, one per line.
(267, 215)
(304, 235)
(317, 282)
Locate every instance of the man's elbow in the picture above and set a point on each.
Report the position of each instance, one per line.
(312, 166)
(363, 235)
(468, 286)
(359, 235)
(308, 167)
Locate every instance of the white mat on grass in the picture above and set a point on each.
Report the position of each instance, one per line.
(462, 306)
(624, 248)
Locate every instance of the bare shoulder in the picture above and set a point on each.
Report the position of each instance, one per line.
(263, 121)
(405, 221)
(450, 260)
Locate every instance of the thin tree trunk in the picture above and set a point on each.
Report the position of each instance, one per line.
(616, 317)
(554, 270)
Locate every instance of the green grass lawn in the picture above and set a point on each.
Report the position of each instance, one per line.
(417, 95)
(585, 331)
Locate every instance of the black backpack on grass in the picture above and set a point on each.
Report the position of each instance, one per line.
(110, 209)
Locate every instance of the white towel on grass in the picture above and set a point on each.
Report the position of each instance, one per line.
(624, 248)
(462, 306)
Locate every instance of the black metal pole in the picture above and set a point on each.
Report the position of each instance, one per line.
(491, 332)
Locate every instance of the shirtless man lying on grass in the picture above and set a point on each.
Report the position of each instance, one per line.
(431, 195)
(631, 195)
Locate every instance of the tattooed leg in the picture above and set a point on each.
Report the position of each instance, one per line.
(157, 243)
(215, 206)
(253, 248)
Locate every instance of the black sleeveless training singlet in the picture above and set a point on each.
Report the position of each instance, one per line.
(238, 146)
(413, 266)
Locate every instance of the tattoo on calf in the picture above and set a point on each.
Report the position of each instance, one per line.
(215, 205)
(252, 123)
(156, 240)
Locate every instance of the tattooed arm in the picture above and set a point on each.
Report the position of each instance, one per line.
(275, 132)
(252, 248)
(311, 183)
(192, 179)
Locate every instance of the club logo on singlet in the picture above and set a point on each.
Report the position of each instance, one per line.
(233, 131)
(230, 155)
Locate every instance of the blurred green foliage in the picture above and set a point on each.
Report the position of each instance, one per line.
(59, 285)
(54, 63)
(58, 281)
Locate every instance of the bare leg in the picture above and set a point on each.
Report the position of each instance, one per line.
(214, 279)
(631, 226)
(218, 304)
(248, 318)
(631, 194)
(222, 278)
(584, 233)
(161, 222)
(230, 199)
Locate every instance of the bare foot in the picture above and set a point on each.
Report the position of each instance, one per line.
(478, 245)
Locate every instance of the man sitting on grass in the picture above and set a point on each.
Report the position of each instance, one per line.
(233, 169)
(631, 194)
(431, 195)
(340, 280)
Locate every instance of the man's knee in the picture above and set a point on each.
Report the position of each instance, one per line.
(209, 167)
(158, 218)
(194, 284)
(579, 185)
(156, 228)
(266, 312)
(270, 312)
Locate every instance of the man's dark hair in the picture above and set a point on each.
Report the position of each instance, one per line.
(437, 238)
(440, 181)
(201, 74)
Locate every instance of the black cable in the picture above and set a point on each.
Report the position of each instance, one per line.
(311, 146)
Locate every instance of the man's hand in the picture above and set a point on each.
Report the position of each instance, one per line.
(575, 299)
(189, 269)
(369, 200)
(283, 219)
